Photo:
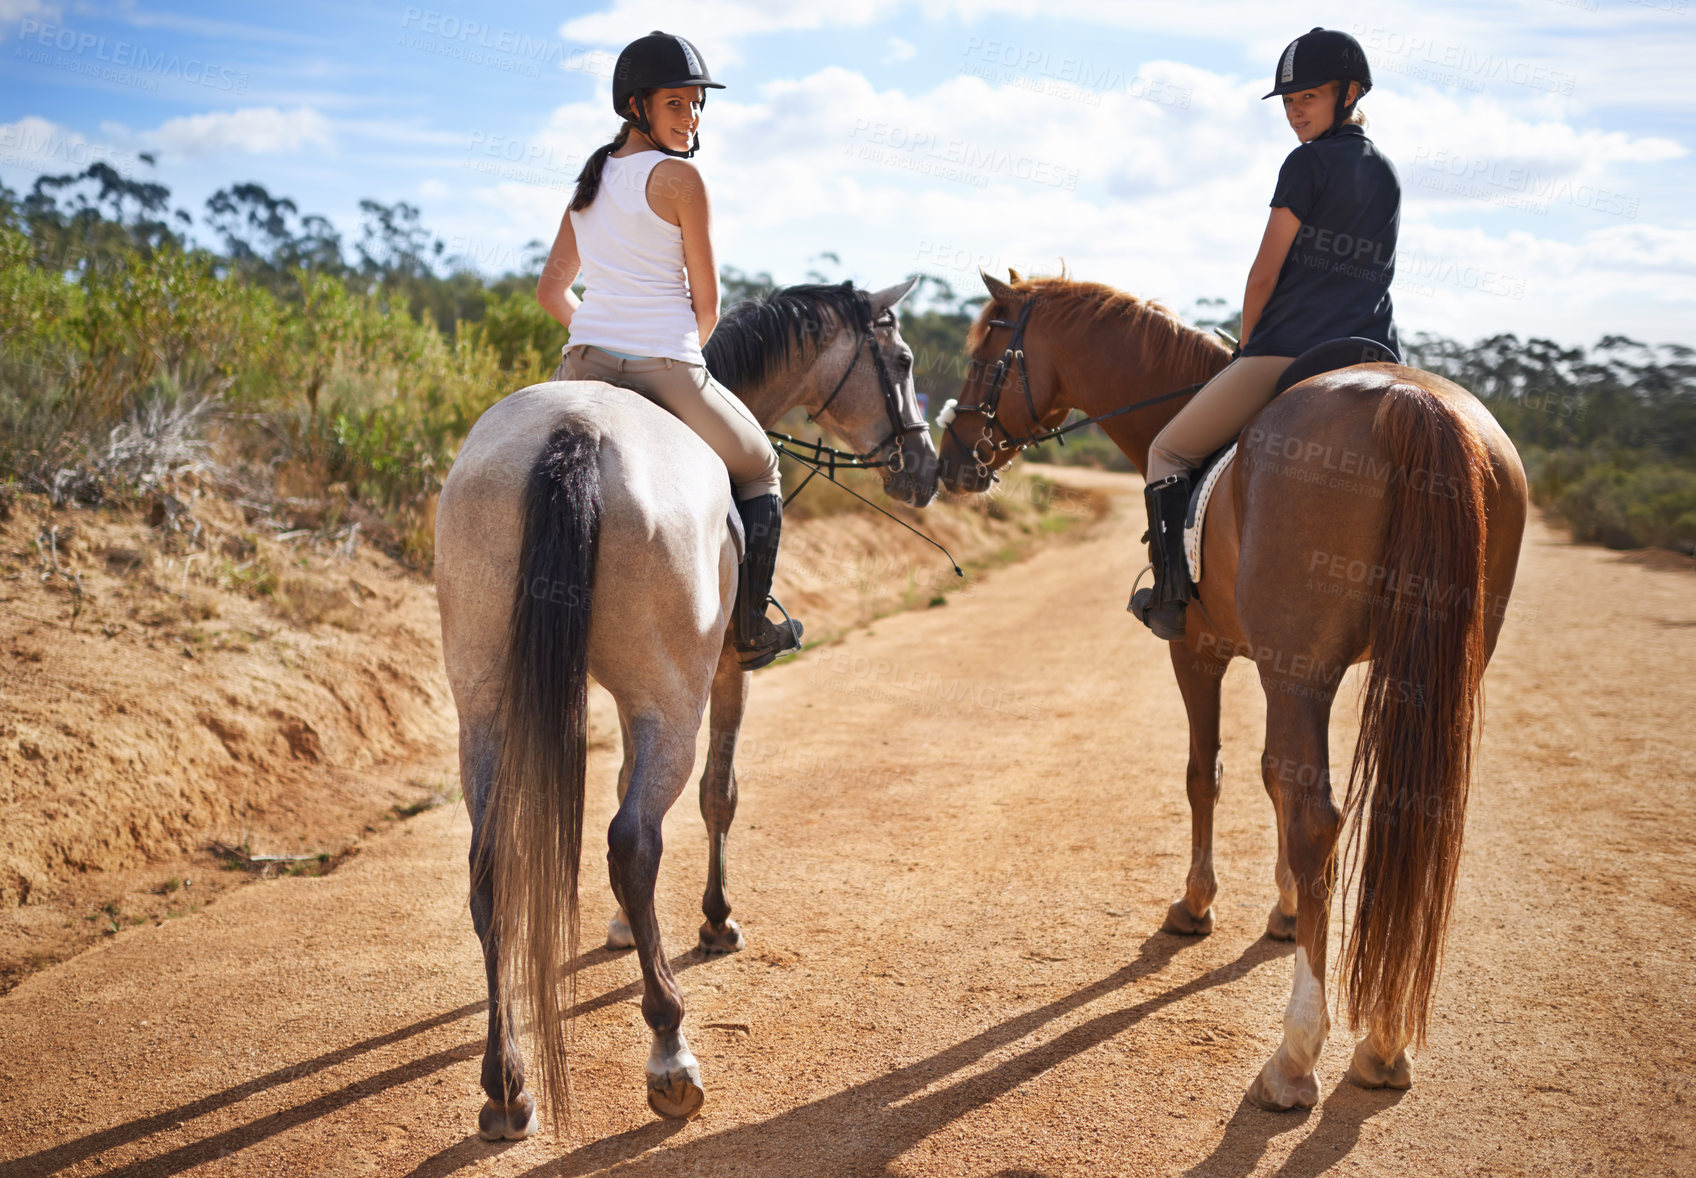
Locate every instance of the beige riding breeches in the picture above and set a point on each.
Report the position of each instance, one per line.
(689, 393)
(1215, 415)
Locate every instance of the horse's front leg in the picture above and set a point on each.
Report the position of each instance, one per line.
(510, 1111)
(720, 934)
(664, 751)
(1200, 675)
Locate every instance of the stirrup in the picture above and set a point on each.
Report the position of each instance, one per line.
(790, 630)
(1145, 568)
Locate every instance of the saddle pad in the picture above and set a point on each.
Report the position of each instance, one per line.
(1198, 511)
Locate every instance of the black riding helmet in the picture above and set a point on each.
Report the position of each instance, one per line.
(659, 61)
(1319, 56)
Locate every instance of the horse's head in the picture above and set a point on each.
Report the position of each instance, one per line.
(863, 391)
(1011, 390)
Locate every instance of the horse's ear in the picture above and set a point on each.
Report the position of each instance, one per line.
(997, 289)
(1013, 275)
(883, 300)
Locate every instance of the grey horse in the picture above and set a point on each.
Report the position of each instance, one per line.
(585, 531)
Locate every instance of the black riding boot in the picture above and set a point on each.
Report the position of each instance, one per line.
(1161, 608)
(758, 639)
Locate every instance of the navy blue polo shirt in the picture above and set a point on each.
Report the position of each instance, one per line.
(1336, 278)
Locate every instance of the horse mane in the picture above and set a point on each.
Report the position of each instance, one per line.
(1166, 340)
(755, 337)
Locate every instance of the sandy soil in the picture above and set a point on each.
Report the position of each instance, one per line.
(190, 698)
(959, 832)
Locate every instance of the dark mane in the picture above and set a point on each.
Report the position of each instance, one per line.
(754, 338)
(1165, 339)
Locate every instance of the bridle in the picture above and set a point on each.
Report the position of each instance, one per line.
(827, 460)
(886, 453)
(1013, 356)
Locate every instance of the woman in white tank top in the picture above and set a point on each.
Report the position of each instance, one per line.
(639, 230)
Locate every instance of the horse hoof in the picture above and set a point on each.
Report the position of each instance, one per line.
(674, 1077)
(1280, 927)
(718, 940)
(1369, 1071)
(619, 935)
(1276, 1092)
(1179, 920)
(677, 1092)
(512, 1121)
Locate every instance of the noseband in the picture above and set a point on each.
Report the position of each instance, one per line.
(886, 453)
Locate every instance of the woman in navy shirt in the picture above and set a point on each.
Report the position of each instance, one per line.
(1323, 272)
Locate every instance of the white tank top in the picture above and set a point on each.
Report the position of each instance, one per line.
(637, 292)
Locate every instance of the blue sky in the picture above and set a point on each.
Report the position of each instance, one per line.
(1544, 146)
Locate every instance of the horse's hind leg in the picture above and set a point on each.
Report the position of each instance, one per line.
(664, 751)
(510, 1112)
(1281, 921)
(618, 928)
(720, 934)
(1298, 756)
(1199, 678)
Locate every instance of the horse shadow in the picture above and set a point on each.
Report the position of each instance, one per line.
(1251, 1130)
(861, 1129)
(70, 1153)
(864, 1128)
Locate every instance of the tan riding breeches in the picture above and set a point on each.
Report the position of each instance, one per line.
(691, 395)
(1215, 415)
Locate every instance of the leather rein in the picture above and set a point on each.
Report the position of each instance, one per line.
(1013, 357)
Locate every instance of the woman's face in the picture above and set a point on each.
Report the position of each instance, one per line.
(1311, 111)
(674, 116)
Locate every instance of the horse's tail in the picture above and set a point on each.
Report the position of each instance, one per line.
(535, 807)
(1413, 761)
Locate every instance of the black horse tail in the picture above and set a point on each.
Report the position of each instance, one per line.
(535, 807)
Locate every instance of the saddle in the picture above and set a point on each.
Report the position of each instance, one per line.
(1326, 357)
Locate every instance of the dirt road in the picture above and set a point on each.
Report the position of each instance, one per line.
(959, 832)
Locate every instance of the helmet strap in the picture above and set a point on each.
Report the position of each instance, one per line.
(639, 100)
(1340, 114)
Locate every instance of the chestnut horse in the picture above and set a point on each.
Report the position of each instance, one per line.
(1373, 512)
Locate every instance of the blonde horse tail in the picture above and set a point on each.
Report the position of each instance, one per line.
(1413, 762)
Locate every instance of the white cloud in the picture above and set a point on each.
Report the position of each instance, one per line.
(13, 12)
(256, 130)
(896, 49)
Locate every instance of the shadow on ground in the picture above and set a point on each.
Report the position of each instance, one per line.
(861, 1129)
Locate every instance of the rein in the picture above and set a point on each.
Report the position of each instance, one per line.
(887, 453)
(1013, 356)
